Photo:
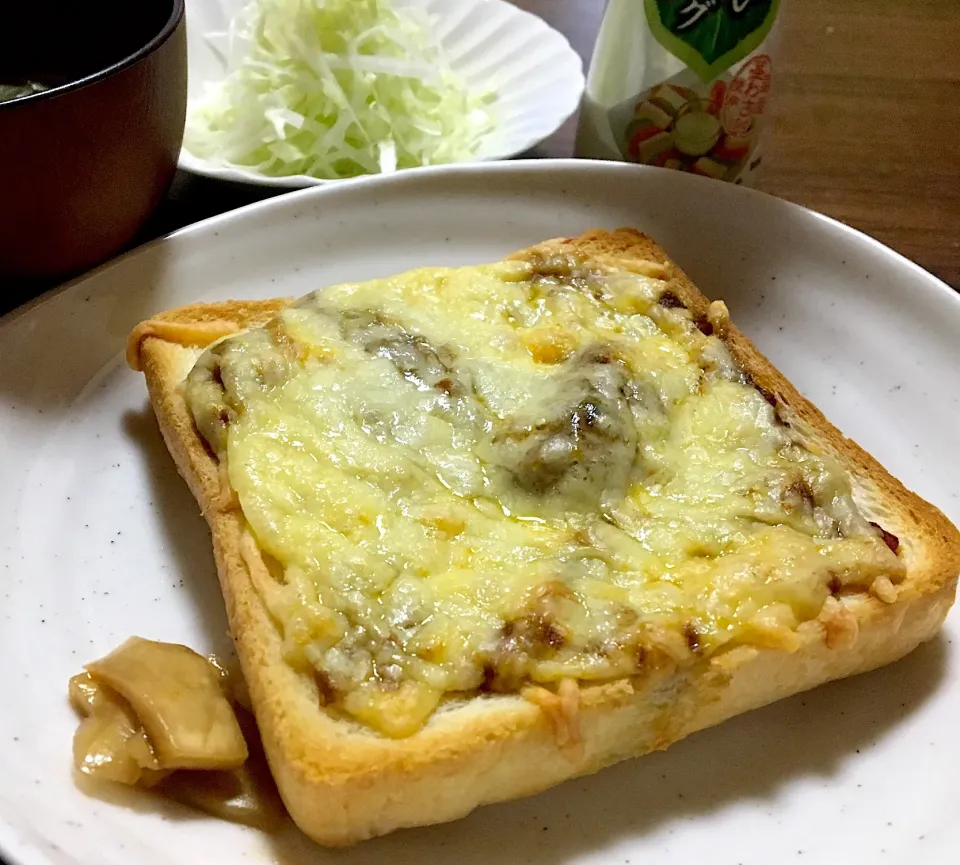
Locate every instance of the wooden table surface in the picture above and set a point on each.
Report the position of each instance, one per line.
(866, 123)
(866, 116)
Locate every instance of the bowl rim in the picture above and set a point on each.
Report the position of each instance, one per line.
(176, 16)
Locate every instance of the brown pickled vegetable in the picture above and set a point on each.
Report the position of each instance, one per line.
(246, 795)
(233, 683)
(85, 694)
(158, 715)
(176, 694)
(110, 744)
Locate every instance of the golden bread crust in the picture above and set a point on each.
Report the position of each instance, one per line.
(343, 783)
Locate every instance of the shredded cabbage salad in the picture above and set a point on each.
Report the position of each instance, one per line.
(333, 89)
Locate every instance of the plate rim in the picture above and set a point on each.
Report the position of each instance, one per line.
(533, 167)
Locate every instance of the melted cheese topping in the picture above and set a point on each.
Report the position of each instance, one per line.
(478, 478)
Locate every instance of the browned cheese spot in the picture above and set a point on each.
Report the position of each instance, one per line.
(326, 693)
(798, 497)
(692, 636)
(668, 300)
(889, 538)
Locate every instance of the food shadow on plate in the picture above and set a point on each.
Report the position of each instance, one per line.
(185, 533)
(747, 760)
(743, 760)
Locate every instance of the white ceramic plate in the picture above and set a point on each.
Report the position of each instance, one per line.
(99, 539)
(537, 76)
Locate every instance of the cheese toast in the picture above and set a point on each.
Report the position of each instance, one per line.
(482, 530)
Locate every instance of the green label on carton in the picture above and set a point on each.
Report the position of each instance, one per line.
(710, 36)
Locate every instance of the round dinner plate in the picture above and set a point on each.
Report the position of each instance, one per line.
(492, 45)
(100, 539)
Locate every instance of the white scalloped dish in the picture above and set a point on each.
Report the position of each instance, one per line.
(534, 75)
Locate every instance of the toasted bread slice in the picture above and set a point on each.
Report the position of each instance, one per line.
(342, 782)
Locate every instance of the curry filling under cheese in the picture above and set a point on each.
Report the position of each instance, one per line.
(480, 478)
